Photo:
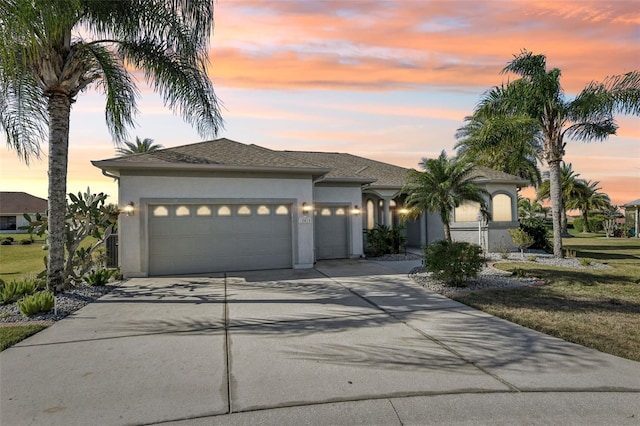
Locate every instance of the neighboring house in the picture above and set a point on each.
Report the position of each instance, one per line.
(226, 206)
(13, 206)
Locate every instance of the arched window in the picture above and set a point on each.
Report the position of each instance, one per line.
(371, 215)
(501, 208)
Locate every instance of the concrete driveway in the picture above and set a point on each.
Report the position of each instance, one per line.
(350, 342)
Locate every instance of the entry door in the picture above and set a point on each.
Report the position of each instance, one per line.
(331, 232)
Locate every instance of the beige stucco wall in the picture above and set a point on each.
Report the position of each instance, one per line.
(143, 190)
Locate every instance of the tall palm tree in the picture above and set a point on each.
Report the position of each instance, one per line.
(537, 94)
(509, 144)
(588, 198)
(445, 184)
(571, 185)
(139, 147)
(51, 51)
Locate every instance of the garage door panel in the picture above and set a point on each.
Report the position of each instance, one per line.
(215, 238)
(331, 226)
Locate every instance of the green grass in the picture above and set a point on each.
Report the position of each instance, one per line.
(19, 261)
(595, 308)
(11, 335)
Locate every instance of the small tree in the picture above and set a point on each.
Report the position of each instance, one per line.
(86, 216)
(521, 239)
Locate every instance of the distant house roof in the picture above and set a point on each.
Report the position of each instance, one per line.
(632, 204)
(225, 154)
(21, 202)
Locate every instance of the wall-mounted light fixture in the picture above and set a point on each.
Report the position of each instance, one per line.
(306, 208)
(129, 209)
(356, 210)
(403, 210)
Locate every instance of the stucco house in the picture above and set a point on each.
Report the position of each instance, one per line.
(222, 205)
(13, 206)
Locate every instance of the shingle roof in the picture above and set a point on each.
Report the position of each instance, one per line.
(216, 152)
(333, 166)
(21, 202)
(634, 203)
(348, 166)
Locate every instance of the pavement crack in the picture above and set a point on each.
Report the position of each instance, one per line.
(396, 411)
(227, 346)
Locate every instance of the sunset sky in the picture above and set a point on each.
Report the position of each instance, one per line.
(388, 80)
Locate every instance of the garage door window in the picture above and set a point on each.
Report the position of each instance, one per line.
(203, 211)
(282, 210)
(339, 212)
(160, 211)
(183, 211)
(263, 211)
(325, 212)
(224, 211)
(244, 211)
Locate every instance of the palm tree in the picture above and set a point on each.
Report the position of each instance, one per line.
(51, 51)
(139, 147)
(571, 186)
(538, 95)
(528, 208)
(587, 198)
(509, 144)
(445, 184)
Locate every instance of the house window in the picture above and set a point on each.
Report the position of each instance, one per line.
(224, 211)
(467, 212)
(160, 211)
(8, 223)
(183, 211)
(282, 210)
(371, 215)
(263, 211)
(244, 211)
(203, 211)
(501, 208)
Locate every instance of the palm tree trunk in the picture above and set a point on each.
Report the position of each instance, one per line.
(59, 113)
(555, 184)
(447, 231)
(585, 218)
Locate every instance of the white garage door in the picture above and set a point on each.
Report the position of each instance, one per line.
(331, 232)
(197, 238)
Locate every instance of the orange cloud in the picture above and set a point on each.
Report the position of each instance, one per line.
(391, 45)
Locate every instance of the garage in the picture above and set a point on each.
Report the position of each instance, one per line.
(331, 232)
(200, 238)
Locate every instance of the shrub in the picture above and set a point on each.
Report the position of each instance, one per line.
(453, 262)
(42, 301)
(521, 238)
(26, 242)
(14, 290)
(6, 242)
(9, 238)
(585, 262)
(596, 223)
(535, 227)
(532, 258)
(99, 277)
(384, 239)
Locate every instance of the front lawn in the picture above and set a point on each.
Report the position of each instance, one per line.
(595, 308)
(18, 261)
(10, 335)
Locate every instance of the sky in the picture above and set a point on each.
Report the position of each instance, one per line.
(387, 80)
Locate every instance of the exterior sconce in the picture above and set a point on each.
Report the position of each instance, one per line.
(129, 209)
(356, 210)
(403, 211)
(306, 208)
